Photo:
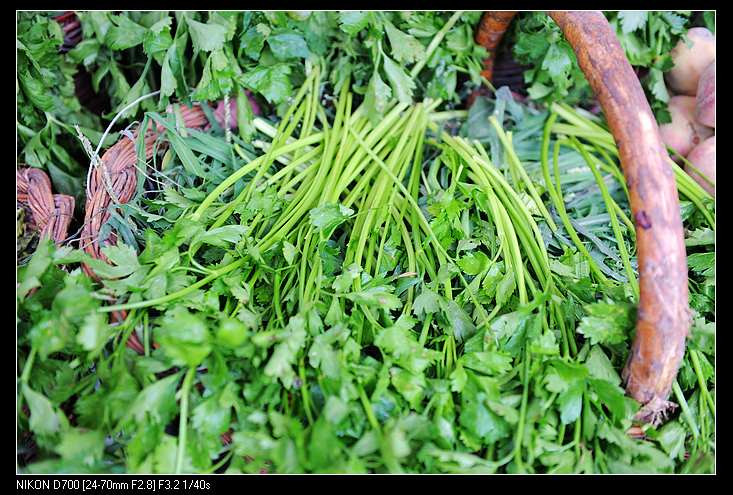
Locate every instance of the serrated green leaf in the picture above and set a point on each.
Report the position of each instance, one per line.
(488, 363)
(474, 263)
(86, 447)
(607, 323)
(458, 320)
(610, 396)
(184, 336)
(600, 367)
(354, 21)
(377, 98)
(156, 401)
(206, 37)
(631, 20)
(327, 217)
(402, 84)
(94, 333)
(380, 296)
(570, 403)
(289, 252)
(124, 33)
(272, 82)
(287, 46)
(406, 49)
(426, 302)
(44, 419)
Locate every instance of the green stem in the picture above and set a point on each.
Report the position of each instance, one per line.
(434, 44)
(522, 412)
(250, 167)
(514, 159)
(180, 293)
(25, 375)
(368, 409)
(701, 380)
(614, 220)
(576, 435)
(146, 335)
(276, 299)
(304, 392)
(560, 204)
(184, 418)
(689, 164)
(448, 115)
(425, 224)
(686, 412)
(28, 366)
(219, 464)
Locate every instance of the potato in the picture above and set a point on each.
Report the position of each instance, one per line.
(690, 61)
(703, 157)
(705, 103)
(683, 133)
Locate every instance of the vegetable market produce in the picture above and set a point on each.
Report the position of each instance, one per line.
(702, 159)
(684, 132)
(690, 59)
(705, 102)
(324, 266)
(647, 37)
(662, 325)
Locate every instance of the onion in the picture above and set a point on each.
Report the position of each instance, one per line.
(690, 61)
(705, 104)
(703, 158)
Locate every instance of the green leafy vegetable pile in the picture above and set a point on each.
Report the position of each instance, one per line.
(200, 56)
(355, 284)
(647, 37)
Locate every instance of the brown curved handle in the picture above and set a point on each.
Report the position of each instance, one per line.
(663, 318)
(490, 31)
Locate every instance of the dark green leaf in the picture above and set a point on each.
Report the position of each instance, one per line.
(44, 419)
(607, 323)
(402, 84)
(354, 21)
(405, 48)
(125, 33)
(377, 98)
(631, 20)
(206, 37)
(288, 46)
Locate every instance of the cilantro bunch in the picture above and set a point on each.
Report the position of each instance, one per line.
(647, 37)
(203, 57)
(403, 56)
(350, 296)
(200, 56)
(355, 282)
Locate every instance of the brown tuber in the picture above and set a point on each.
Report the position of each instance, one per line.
(705, 102)
(691, 60)
(684, 132)
(703, 158)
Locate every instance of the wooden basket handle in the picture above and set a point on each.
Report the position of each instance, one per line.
(663, 319)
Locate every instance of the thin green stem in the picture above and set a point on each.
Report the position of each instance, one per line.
(560, 204)
(614, 220)
(182, 425)
(25, 375)
(304, 391)
(686, 412)
(701, 380)
(435, 43)
(522, 412)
